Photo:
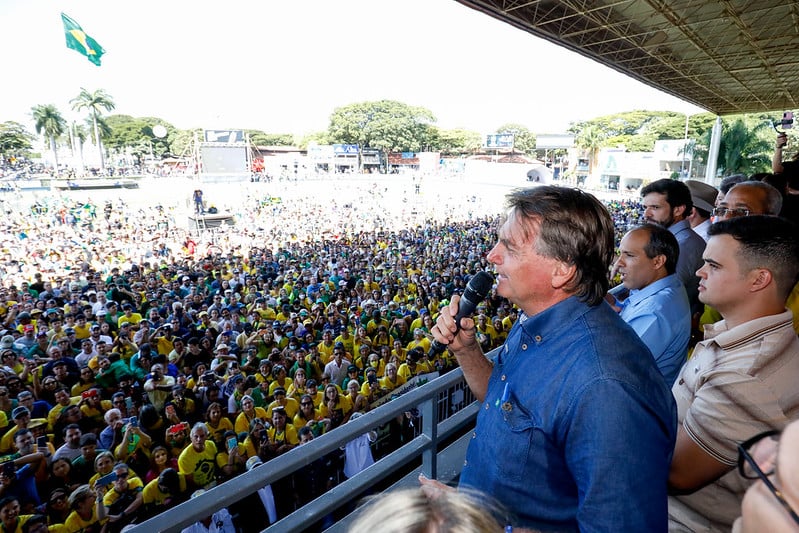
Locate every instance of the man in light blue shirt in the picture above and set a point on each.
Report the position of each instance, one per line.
(656, 305)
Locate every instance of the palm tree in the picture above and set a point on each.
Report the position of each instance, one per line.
(93, 102)
(590, 139)
(48, 119)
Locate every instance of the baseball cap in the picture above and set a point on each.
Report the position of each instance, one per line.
(19, 412)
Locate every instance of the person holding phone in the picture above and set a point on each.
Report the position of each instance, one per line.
(231, 461)
(158, 386)
(123, 499)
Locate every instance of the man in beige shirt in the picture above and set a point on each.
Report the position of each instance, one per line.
(742, 377)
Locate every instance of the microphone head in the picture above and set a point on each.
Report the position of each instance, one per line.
(478, 287)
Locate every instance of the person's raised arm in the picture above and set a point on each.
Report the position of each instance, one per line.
(776, 159)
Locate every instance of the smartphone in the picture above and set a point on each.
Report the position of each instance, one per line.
(9, 468)
(41, 442)
(106, 480)
(232, 442)
(129, 404)
(134, 422)
(787, 120)
(170, 410)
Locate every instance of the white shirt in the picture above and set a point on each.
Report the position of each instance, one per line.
(221, 522)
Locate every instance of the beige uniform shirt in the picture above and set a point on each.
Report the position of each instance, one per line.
(739, 382)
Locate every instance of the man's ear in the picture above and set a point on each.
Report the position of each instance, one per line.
(760, 279)
(679, 211)
(563, 274)
(658, 261)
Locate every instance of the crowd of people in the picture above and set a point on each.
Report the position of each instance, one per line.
(141, 362)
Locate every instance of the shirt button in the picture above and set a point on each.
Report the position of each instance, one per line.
(538, 338)
(504, 377)
(486, 406)
(682, 381)
(524, 346)
(464, 463)
(474, 434)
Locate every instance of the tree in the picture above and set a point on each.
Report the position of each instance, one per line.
(523, 139)
(48, 120)
(386, 125)
(459, 141)
(93, 102)
(745, 147)
(14, 139)
(591, 139)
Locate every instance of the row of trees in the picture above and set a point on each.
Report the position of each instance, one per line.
(746, 147)
(394, 126)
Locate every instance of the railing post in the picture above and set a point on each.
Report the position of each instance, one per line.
(430, 428)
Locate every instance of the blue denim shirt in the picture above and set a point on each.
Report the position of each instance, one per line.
(577, 428)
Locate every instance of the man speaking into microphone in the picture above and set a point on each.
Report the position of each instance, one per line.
(576, 425)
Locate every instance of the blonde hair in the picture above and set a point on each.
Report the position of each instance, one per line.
(411, 511)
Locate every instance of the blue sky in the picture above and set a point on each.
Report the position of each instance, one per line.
(283, 67)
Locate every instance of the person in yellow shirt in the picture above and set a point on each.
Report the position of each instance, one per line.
(87, 510)
(198, 461)
(419, 340)
(335, 407)
(165, 491)
(248, 413)
(392, 379)
(124, 498)
(412, 365)
(282, 435)
(282, 401)
(216, 424)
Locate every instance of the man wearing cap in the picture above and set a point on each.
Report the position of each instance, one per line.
(23, 344)
(7, 343)
(96, 336)
(39, 349)
(337, 368)
(704, 199)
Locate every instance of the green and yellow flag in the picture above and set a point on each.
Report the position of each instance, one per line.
(80, 42)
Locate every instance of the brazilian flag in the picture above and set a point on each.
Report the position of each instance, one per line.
(80, 42)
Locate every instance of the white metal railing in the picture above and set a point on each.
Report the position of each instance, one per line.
(446, 406)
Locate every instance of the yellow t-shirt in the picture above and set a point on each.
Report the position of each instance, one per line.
(243, 421)
(134, 485)
(152, 495)
(201, 465)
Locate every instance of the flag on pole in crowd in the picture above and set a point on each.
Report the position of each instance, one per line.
(80, 42)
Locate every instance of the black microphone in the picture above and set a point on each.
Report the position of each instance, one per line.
(475, 292)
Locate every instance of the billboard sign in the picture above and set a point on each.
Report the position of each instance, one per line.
(345, 149)
(224, 136)
(499, 140)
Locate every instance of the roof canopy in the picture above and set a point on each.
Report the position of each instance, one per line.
(726, 56)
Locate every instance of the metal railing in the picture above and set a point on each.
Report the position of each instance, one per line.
(445, 405)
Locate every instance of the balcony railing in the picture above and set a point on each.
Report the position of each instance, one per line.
(446, 407)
